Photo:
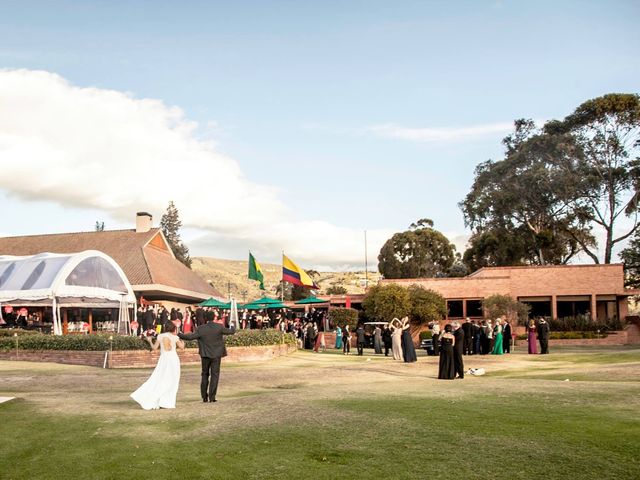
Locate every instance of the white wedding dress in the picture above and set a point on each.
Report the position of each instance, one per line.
(161, 389)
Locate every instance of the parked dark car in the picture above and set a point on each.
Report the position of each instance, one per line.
(427, 345)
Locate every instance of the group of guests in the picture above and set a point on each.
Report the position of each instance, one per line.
(481, 337)
(538, 330)
(395, 337)
(154, 319)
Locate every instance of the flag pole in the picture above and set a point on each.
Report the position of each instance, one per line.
(366, 263)
(282, 280)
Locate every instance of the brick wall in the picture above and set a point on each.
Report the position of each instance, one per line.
(143, 358)
(528, 281)
(614, 338)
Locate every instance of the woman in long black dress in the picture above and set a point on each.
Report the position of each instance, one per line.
(408, 350)
(447, 369)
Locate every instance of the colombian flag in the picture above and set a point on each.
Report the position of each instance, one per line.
(294, 274)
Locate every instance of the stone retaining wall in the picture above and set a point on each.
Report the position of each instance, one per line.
(621, 337)
(143, 358)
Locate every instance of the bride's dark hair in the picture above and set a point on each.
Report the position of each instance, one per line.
(170, 327)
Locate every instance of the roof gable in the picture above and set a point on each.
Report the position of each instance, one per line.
(144, 257)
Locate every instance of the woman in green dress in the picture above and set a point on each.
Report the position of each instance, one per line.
(338, 338)
(497, 335)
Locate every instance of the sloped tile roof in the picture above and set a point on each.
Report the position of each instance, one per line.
(143, 264)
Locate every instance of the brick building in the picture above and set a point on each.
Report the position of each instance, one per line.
(555, 291)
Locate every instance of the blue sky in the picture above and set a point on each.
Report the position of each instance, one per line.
(356, 114)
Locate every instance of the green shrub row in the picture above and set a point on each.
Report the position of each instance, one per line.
(258, 338)
(426, 334)
(344, 316)
(101, 342)
(570, 335)
(584, 323)
(10, 332)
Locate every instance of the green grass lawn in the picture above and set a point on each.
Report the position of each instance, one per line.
(330, 416)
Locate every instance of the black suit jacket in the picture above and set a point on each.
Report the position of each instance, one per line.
(543, 331)
(459, 336)
(506, 331)
(210, 338)
(467, 328)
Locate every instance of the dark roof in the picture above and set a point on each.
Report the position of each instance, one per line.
(142, 263)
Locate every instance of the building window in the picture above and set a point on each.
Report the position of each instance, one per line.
(538, 308)
(474, 308)
(573, 308)
(454, 308)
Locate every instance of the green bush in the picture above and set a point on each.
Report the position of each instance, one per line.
(426, 305)
(426, 335)
(257, 338)
(503, 305)
(344, 316)
(385, 302)
(584, 323)
(101, 342)
(570, 335)
(10, 332)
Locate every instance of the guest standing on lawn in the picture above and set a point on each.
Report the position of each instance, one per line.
(458, 363)
(408, 350)
(531, 337)
(386, 338)
(360, 339)
(435, 334)
(497, 338)
(377, 339)
(506, 336)
(346, 341)
(543, 336)
(396, 338)
(446, 370)
(338, 345)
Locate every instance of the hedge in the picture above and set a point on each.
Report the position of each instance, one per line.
(570, 336)
(583, 323)
(101, 342)
(10, 332)
(426, 334)
(344, 316)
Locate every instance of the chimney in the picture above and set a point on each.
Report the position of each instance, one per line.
(143, 222)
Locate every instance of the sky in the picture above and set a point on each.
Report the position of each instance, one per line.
(284, 125)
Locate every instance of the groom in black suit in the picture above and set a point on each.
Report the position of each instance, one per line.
(458, 335)
(210, 338)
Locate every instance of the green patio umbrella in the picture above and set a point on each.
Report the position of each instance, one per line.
(311, 301)
(266, 301)
(262, 306)
(212, 302)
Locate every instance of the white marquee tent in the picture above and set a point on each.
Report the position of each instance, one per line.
(89, 279)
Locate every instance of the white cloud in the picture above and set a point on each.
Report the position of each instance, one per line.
(438, 134)
(104, 149)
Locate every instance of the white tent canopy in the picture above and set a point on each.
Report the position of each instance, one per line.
(89, 279)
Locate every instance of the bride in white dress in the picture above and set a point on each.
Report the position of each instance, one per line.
(161, 389)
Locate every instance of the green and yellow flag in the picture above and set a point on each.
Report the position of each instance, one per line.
(255, 272)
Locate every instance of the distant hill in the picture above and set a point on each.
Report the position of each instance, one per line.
(231, 275)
